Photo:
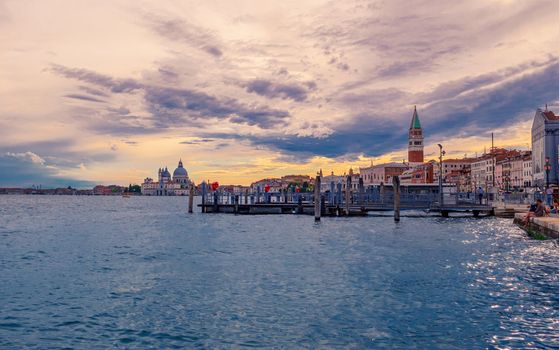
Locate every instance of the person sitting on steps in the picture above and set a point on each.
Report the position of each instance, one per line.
(539, 211)
(555, 207)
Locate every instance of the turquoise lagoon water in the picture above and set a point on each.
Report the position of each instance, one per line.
(102, 272)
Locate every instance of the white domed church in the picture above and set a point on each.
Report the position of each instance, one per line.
(177, 185)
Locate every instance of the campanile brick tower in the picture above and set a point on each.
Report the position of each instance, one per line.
(415, 145)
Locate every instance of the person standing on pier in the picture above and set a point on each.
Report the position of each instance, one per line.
(549, 196)
(480, 194)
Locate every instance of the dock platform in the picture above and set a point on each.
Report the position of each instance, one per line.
(330, 210)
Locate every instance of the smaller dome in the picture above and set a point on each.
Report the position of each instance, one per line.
(165, 173)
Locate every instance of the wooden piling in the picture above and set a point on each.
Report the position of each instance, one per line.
(347, 194)
(216, 202)
(332, 199)
(396, 185)
(246, 196)
(191, 199)
(317, 210)
(203, 196)
(361, 191)
(381, 192)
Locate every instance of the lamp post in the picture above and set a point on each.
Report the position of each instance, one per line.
(547, 168)
(441, 154)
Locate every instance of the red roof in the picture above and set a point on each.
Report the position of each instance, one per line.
(550, 115)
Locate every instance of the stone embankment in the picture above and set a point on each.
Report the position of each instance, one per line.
(509, 210)
(540, 228)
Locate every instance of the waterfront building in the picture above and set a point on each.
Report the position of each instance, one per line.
(111, 190)
(376, 174)
(453, 166)
(415, 140)
(462, 179)
(296, 179)
(545, 143)
(167, 185)
(328, 179)
(527, 170)
(514, 172)
(503, 174)
(484, 168)
(275, 184)
(419, 174)
(342, 179)
(234, 189)
(518, 178)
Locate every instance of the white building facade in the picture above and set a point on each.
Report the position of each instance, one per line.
(167, 185)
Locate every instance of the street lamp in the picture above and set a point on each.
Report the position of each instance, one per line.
(547, 168)
(441, 154)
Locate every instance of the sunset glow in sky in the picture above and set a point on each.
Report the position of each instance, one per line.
(108, 91)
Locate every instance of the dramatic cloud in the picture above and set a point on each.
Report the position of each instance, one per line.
(270, 89)
(84, 98)
(186, 33)
(487, 107)
(476, 105)
(289, 81)
(171, 107)
(114, 85)
(28, 169)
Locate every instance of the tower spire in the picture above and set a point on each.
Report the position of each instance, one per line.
(415, 139)
(415, 124)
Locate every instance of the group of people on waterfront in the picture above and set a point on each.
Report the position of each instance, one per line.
(539, 209)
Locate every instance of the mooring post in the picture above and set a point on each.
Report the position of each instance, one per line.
(347, 194)
(299, 204)
(317, 203)
(216, 200)
(332, 193)
(381, 191)
(236, 203)
(361, 191)
(203, 196)
(340, 198)
(396, 184)
(246, 196)
(191, 198)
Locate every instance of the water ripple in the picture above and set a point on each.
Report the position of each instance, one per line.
(142, 273)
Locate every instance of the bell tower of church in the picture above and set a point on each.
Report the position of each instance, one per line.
(415, 144)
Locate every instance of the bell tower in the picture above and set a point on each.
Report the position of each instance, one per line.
(415, 140)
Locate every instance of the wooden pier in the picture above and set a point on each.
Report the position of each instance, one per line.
(338, 202)
(329, 210)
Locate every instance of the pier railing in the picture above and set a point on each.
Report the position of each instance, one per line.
(371, 196)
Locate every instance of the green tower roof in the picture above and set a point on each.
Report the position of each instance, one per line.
(415, 124)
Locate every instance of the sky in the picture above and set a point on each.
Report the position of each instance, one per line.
(106, 92)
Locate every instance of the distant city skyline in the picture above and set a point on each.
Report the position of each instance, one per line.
(106, 92)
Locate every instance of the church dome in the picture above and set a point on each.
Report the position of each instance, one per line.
(180, 171)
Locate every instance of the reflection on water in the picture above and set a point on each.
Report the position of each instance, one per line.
(98, 272)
